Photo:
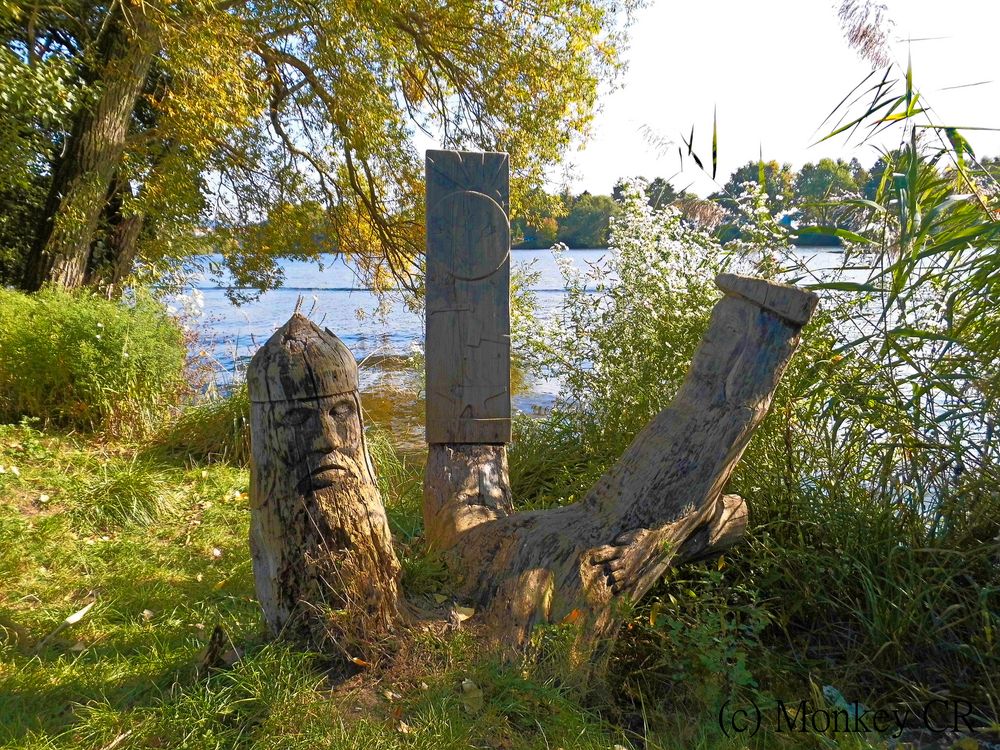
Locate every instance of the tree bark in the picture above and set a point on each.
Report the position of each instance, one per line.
(93, 152)
(661, 504)
(113, 254)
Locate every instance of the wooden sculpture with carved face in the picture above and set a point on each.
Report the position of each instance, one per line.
(322, 554)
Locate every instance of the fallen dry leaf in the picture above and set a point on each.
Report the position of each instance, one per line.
(573, 616)
(472, 696)
(73, 619)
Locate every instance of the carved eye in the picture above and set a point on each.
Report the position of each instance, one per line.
(342, 410)
(296, 417)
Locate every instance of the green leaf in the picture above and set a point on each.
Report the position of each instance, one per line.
(901, 115)
(917, 333)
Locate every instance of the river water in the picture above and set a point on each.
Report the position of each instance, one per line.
(334, 298)
(382, 338)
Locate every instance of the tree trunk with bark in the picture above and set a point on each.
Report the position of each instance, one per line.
(113, 252)
(61, 251)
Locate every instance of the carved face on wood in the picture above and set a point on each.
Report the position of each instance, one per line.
(305, 412)
(319, 441)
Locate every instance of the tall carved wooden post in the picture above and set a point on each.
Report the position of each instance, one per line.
(468, 342)
(324, 567)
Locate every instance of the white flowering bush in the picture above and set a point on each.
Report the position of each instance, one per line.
(629, 323)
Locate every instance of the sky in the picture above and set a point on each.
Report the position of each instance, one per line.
(774, 69)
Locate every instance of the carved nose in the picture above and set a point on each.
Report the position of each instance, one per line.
(329, 437)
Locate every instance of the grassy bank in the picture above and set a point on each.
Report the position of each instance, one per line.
(150, 554)
(146, 552)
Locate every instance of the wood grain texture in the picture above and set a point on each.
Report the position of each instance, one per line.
(661, 504)
(325, 571)
(464, 486)
(468, 298)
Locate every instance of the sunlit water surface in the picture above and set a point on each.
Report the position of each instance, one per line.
(383, 337)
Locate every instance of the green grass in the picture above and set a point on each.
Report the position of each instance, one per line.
(159, 547)
(216, 429)
(160, 579)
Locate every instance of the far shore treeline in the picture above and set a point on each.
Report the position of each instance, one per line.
(811, 197)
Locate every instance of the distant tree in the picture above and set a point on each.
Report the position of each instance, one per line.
(991, 168)
(660, 193)
(778, 183)
(859, 174)
(618, 191)
(588, 220)
(542, 232)
(815, 186)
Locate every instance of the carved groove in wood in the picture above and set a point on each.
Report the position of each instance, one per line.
(468, 298)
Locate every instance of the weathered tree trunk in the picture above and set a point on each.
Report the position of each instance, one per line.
(113, 252)
(662, 504)
(123, 245)
(61, 250)
(325, 570)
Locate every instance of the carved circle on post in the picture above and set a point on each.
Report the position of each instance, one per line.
(481, 235)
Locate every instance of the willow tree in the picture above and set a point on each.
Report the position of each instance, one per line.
(287, 127)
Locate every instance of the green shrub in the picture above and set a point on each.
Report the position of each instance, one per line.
(217, 429)
(80, 361)
(400, 481)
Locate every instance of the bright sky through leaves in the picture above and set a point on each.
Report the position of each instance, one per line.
(776, 68)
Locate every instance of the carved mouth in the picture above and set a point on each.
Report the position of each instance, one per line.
(323, 468)
(326, 474)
